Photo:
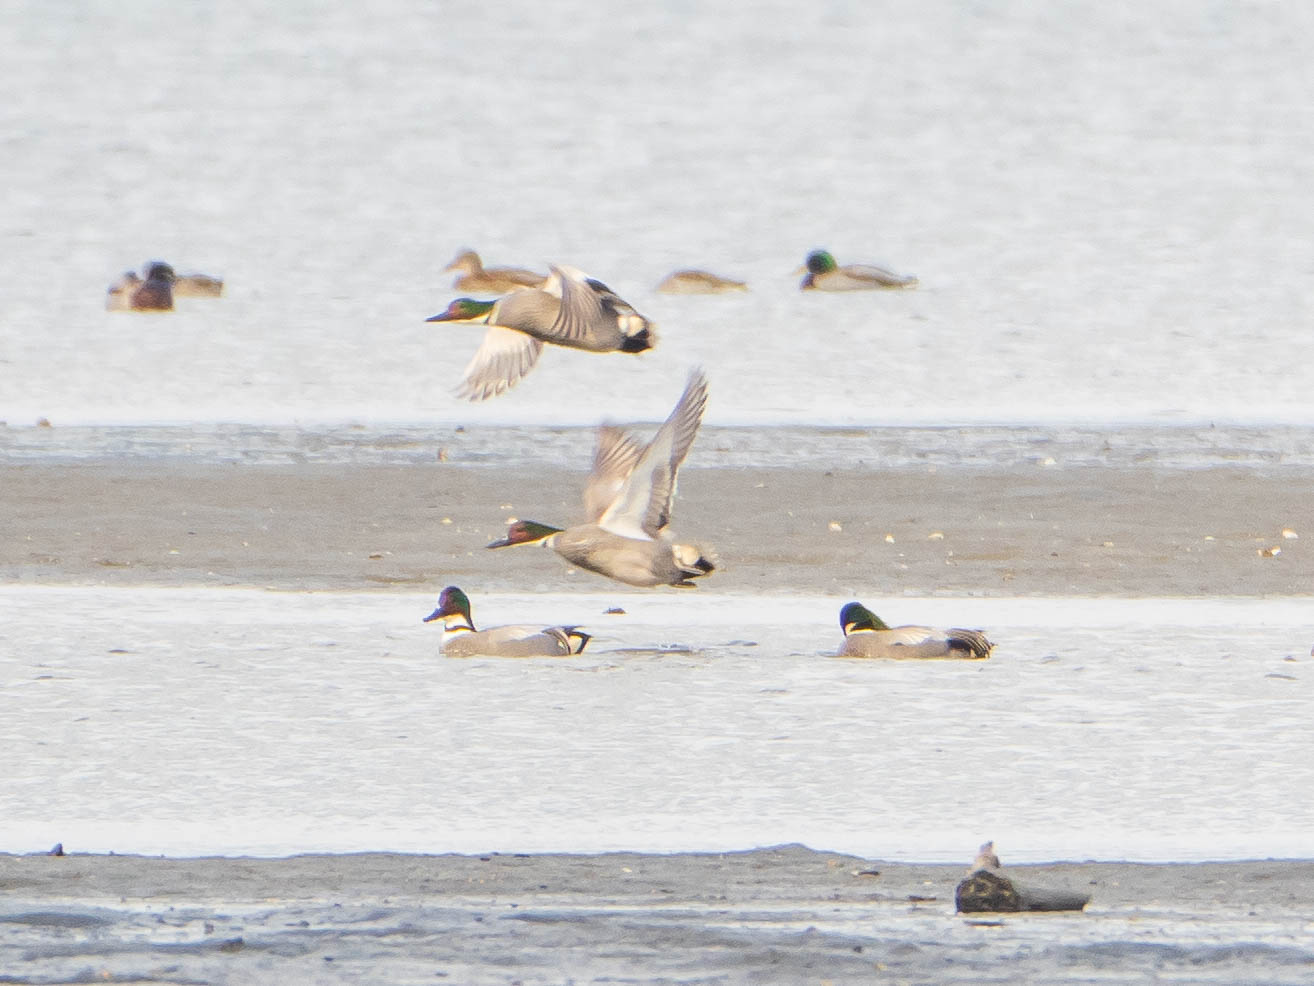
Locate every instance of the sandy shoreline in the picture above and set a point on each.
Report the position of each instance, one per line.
(1070, 531)
(787, 914)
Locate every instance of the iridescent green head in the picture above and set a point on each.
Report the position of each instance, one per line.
(451, 602)
(820, 262)
(525, 532)
(464, 310)
(856, 616)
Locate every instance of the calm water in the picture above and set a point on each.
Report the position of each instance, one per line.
(1108, 213)
(1143, 729)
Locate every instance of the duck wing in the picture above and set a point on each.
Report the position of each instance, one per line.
(879, 275)
(972, 641)
(934, 642)
(613, 461)
(590, 315)
(531, 641)
(499, 363)
(643, 507)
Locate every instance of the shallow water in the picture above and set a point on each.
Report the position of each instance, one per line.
(872, 448)
(186, 721)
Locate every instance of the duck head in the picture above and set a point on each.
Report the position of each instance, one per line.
(857, 617)
(525, 532)
(158, 270)
(820, 262)
(452, 602)
(464, 310)
(467, 261)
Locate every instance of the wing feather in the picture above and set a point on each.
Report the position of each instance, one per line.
(501, 360)
(613, 462)
(642, 509)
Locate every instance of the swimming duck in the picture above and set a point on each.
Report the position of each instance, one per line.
(155, 293)
(698, 282)
(572, 309)
(496, 280)
(866, 635)
(123, 294)
(461, 639)
(628, 504)
(823, 274)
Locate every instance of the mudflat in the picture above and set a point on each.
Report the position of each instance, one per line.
(786, 914)
(1040, 531)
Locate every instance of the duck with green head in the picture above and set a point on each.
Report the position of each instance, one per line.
(824, 274)
(867, 635)
(572, 310)
(628, 503)
(461, 639)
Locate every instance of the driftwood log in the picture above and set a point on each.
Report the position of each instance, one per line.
(987, 888)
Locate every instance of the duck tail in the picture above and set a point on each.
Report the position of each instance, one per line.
(972, 641)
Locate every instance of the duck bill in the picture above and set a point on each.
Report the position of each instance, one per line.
(443, 317)
(502, 543)
(437, 614)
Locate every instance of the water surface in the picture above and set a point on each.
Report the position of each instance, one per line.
(186, 721)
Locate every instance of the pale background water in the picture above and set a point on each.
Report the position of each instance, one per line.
(1109, 213)
(1108, 207)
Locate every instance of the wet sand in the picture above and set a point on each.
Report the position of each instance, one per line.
(1007, 532)
(787, 915)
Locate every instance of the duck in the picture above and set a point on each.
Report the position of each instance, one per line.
(627, 502)
(155, 292)
(824, 274)
(572, 310)
(698, 282)
(123, 294)
(867, 635)
(496, 280)
(461, 639)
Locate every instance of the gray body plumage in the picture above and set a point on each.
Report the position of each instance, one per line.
(514, 641)
(643, 563)
(914, 642)
(572, 310)
(858, 277)
(628, 501)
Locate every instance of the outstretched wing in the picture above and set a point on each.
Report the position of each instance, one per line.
(643, 507)
(613, 462)
(498, 364)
